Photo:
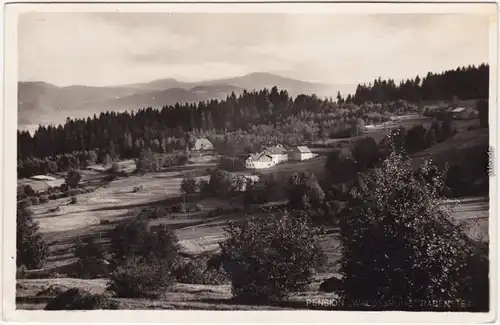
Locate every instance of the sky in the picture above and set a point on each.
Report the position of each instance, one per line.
(102, 49)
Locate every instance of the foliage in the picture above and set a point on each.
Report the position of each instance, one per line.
(414, 250)
(139, 277)
(73, 178)
(231, 164)
(221, 183)
(91, 262)
(136, 238)
(415, 139)
(482, 107)
(340, 165)
(304, 191)
(270, 256)
(74, 200)
(196, 271)
(78, 299)
(31, 250)
(365, 153)
(189, 185)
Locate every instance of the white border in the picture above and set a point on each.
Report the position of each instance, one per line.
(8, 134)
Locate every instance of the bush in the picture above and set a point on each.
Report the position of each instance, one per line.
(78, 299)
(44, 198)
(365, 153)
(304, 191)
(136, 238)
(399, 243)
(31, 250)
(73, 178)
(197, 272)
(35, 200)
(91, 262)
(221, 183)
(269, 256)
(74, 200)
(189, 185)
(139, 277)
(137, 188)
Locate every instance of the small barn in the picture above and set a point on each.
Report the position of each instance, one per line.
(464, 113)
(301, 153)
(202, 144)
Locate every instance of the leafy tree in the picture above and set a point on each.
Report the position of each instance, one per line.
(73, 178)
(304, 191)
(31, 250)
(340, 165)
(365, 153)
(91, 260)
(221, 182)
(415, 139)
(415, 250)
(268, 257)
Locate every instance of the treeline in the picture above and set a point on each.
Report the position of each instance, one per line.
(462, 83)
(273, 114)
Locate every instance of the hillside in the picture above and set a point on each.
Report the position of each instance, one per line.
(44, 103)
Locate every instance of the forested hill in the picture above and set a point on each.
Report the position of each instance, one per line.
(270, 115)
(463, 83)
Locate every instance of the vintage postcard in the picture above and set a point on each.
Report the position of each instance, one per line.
(186, 162)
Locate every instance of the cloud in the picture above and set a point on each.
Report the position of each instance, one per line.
(119, 48)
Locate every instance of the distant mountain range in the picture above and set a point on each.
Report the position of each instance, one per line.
(44, 103)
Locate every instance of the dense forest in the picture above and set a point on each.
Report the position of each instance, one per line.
(265, 115)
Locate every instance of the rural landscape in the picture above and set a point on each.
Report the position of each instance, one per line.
(256, 192)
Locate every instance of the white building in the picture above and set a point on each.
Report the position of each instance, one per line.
(302, 153)
(278, 153)
(202, 144)
(259, 161)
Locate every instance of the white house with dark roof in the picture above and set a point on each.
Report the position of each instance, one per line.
(301, 153)
(278, 153)
(259, 161)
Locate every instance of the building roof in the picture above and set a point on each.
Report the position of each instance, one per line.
(303, 149)
(276, 150)
(202, 141)
(43, 178)
(258, 156)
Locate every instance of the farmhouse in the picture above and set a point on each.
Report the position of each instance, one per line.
(463, 113)
(301, 153)
(278, 153)
(259, 161)
(202, 144)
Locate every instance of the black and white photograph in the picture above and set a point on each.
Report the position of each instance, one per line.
(252, 160)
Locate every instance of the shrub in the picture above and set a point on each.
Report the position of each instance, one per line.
(31, 249)
(304, 191)
(73, 178)
(415, 139)
(136, 238)
(35, 200)
(197, 272)
(44, 198)
(269, 256)
(221, 182)
(203, 186)
(78, 299)
(74, 200)
(189, 185)
(139, 277)
(91, 262)
(28, 190)
(399, 243)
